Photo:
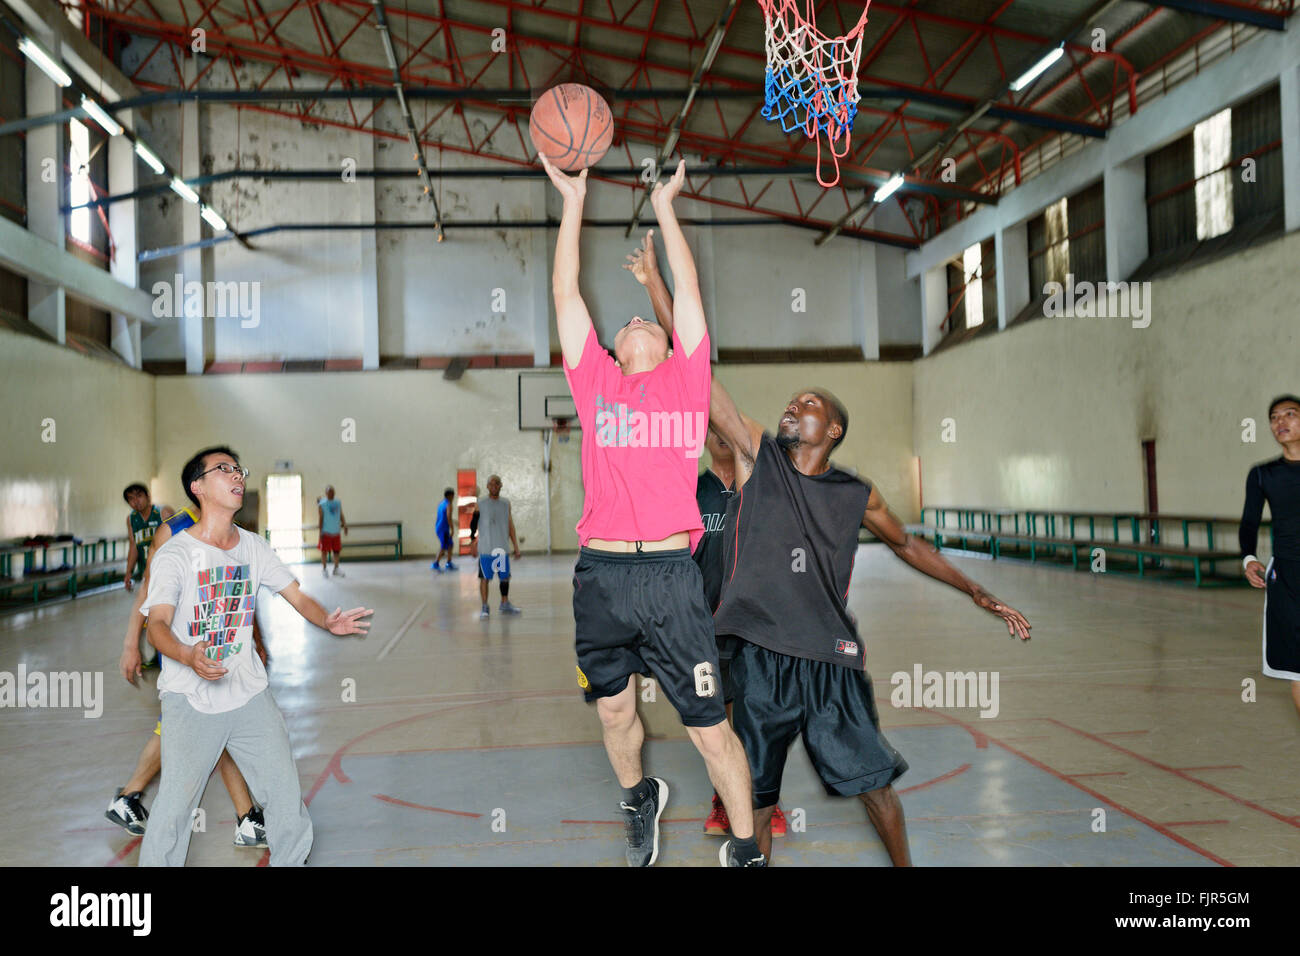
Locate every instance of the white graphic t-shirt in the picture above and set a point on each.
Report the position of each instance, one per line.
(214, 593)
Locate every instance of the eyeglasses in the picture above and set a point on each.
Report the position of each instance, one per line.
(228, 469)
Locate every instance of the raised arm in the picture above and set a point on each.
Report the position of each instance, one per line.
(645, 267)
(688, 309)
(882, 522)
(571, 316)
(738, 430)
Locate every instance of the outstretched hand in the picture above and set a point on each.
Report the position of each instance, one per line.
(642, 263)
(1017, 626)
(572, 188)
(343, 623)
(665, 192)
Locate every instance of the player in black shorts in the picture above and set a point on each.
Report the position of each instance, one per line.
(1278, 483)
(713, 492)
(800, 667)
(638, 601)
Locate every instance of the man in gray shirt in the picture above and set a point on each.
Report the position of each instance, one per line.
(491, 529)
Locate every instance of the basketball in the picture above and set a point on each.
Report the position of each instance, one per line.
(572, 125)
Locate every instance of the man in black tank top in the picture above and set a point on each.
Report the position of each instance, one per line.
(800, 668)
(1278, 483)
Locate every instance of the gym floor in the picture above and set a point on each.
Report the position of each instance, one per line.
(468, 742)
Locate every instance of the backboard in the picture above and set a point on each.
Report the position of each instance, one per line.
(544, 397)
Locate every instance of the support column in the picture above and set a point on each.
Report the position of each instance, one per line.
(934, 306)
(191, 261)
(1012, 264)
(542, 261)
(47, 189)
(866, 302)
(369, 243)
(122, 178)
(1289, 83)
(1126, 218)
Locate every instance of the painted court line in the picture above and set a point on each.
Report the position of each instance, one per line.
(401, 631)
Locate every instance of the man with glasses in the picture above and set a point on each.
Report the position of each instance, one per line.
(201, 604)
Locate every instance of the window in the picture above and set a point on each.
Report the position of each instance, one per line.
(1068, 239)
(1217, 188)
(972, 289)
(79, 186)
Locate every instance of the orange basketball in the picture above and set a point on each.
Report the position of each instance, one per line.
(573, 125)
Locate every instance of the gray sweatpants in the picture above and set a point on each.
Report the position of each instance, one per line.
(256, 736)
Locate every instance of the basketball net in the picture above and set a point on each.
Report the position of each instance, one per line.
(561, 426)
(811, 81)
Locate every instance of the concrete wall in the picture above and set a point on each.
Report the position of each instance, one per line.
(1053, 413)
(103, 428)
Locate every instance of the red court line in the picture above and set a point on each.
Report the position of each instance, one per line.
(1194, 823)
(420, 806)
(940, 779)
(1100, 773)
(1021, 739)
(123, 853)
(1113, 733)
(1289, 821)
(1163, 830)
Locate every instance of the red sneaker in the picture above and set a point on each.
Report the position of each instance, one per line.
(717, 824)
(778, 822)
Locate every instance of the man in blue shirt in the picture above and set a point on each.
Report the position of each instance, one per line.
(443, 528)
(330, 513)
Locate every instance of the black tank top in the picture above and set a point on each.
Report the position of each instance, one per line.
(790, 546)
(712, 498)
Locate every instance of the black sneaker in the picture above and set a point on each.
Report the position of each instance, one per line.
(727, 856)
(641, 825)
(128, 812)
(251, 829)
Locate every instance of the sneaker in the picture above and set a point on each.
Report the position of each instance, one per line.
(128, 812)
(778, 822)
(641, 825)
(483, 613)
(727, 857)
(325, 572)
(436, 567)
(251, 829)
(338, 573)
(717, 824)
(508, 608)
(451, 567)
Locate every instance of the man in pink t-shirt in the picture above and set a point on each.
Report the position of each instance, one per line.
(638, 600)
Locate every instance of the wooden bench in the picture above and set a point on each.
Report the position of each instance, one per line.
(349, 543)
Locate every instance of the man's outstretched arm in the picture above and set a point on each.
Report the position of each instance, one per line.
(737, 429)
(688, 308)
(645, 267)
(572, 319)
(882, 522)
(340, 622)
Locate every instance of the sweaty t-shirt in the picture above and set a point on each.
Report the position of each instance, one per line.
(493, 525)
(789, 560)
(642, 436)
(214, 593)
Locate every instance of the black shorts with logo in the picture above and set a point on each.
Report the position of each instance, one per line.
(643, 613)
(833, 707)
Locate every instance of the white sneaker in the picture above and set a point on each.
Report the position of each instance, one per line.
(251, 830)
(338, 573)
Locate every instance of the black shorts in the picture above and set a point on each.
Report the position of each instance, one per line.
(1282, 619)
(727, 647)
(780, 697)
(640, 613)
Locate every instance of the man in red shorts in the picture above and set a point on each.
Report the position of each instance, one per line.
(330, 511)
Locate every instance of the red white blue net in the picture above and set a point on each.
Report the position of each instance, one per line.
(811, 83)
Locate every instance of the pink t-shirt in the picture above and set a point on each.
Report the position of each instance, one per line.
(642, 436)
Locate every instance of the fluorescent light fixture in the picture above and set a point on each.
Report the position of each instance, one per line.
(49, 66)
(97, 113)
(1038, 68)
(212, 219)
(890, 187)
(150, 160)
(180, 189)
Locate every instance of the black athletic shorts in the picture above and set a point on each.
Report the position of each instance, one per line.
(641, 613)
(1282, 619)
(727, 647)
(780, 697)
